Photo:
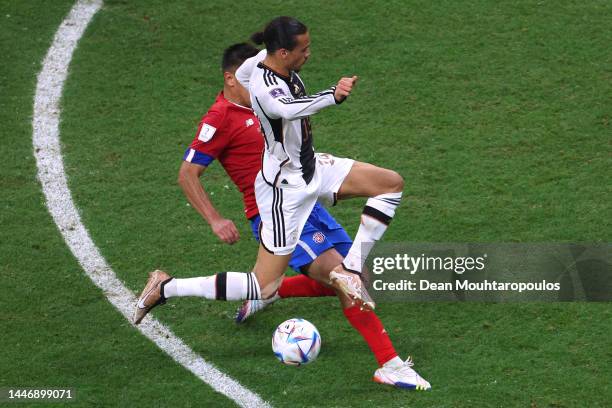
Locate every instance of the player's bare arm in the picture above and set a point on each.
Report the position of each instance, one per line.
(190, 181)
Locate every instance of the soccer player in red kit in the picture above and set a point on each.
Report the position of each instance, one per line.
(230, 132)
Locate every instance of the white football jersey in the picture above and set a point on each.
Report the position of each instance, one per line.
(283, 108)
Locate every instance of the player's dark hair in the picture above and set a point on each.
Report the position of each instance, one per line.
(280, 33)
(236, 54)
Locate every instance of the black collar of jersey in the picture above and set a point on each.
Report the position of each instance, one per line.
(281, 76)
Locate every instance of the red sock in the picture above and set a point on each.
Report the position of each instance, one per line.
(373, 332)
(303, 286)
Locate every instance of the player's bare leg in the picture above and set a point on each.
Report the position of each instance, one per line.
(367, 180)
(320, 268)
(266, 274)
(392, 370)
(316, 283)
(317, 271)
(384, 188)
(269, 270)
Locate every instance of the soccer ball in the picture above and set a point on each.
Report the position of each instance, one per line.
(296, 342)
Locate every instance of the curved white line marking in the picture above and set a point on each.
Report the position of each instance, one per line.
(59, 201)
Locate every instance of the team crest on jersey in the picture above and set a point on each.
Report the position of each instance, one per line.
(206, 133)
(318, 237)
(249, 122)
(276, 92)
(296, 90)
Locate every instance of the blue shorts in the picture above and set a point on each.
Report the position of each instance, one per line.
(321, 232)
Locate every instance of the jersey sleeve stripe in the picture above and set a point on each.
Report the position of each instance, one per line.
(306, 99)
(193, 156)
(291, 101)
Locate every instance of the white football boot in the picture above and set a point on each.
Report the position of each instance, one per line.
(351, 285)
(401, 375)
(250, 307)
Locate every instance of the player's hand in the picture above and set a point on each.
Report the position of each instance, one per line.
(344, 87)
(225, 230)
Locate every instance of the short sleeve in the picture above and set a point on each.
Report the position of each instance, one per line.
(210, 140)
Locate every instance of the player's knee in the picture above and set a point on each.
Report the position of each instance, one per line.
(183, 177)
(180, 179)
(396, 182)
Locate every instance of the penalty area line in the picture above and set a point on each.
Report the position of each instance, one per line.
(47, 151)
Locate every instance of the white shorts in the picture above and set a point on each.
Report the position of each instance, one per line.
(285, 209)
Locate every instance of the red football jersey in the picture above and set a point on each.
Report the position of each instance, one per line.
(231, 134)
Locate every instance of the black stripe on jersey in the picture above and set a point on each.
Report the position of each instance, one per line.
(274, 226)
(274, 223)
(327, 91)
(305, 99)
(265, 74)
(275, 124)
(261, 238)
(269, 77)
(307, 159)
(263, 176)
(282, 219)
(279, 211)
(272, 78)
(293, 101)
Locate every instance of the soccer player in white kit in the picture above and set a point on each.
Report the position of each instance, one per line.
(292, 179)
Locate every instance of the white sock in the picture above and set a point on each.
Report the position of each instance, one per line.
(377, 214)
(394, 362)
(222, 286)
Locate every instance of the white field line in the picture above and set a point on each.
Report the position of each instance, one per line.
(65, 214)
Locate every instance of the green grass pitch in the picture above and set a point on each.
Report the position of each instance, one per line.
(497, 114)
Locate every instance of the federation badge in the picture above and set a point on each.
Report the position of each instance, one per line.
(276, 92)
(318, 237)
(206, 133)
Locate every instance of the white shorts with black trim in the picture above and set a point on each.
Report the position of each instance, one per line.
(284, 209)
